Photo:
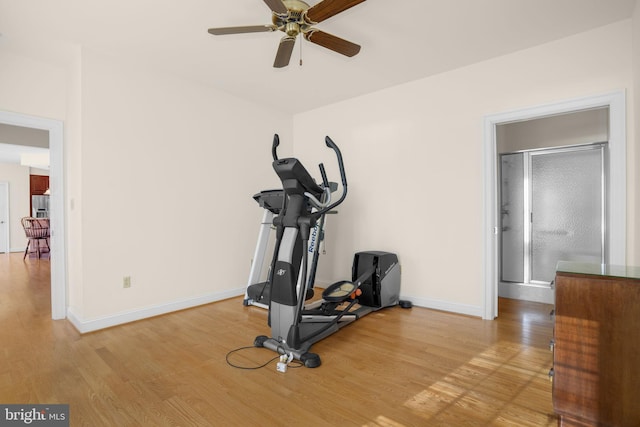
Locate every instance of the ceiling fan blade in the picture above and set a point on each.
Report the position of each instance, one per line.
(332, 42)
(284, 52)
(328, 8)
(277, 6)
(242, 30)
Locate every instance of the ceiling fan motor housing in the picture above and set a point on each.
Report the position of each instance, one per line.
(293, 22)
(296, 5)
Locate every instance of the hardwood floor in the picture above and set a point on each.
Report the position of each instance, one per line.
(393, 368)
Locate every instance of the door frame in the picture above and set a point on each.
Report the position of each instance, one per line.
(56, 208)
(616, 182)
(5, 184)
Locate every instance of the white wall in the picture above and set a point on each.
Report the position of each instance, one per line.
(31, 86)
(18, 178)
(414, 158)
(168, 171)
(18, 135)
(37, 171)
(159, 174)
(35, 87)
(583, 127)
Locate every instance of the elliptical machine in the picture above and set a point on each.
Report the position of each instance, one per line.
(258, 291)
(375, 275)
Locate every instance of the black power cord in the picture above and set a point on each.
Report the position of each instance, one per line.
(294, 364)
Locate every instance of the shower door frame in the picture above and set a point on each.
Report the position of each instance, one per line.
(528, 156)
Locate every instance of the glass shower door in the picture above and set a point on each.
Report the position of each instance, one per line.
(552, 209)
(567, 209)
(512, 195)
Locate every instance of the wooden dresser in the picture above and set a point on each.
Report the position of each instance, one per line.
(596, 372)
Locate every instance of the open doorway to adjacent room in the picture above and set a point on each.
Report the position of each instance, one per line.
(538, 161)
(552, 176)
(24, 183)
(20, 130)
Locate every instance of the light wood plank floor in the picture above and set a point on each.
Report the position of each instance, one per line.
(395, 367)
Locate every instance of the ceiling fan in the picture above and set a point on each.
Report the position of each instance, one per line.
(295, 17)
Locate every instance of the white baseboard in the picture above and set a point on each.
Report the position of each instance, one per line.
(95, 324)
(469, 310)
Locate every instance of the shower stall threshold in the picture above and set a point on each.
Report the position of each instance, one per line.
(527, 292)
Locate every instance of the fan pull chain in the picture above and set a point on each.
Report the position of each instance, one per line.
(301, 41)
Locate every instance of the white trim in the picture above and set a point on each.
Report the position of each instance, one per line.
(433, 304)
(91, 325)
(8, 218)
(617, 190)
(490, 229)
(57, 211)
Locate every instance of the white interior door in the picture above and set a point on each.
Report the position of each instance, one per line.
(4, 217)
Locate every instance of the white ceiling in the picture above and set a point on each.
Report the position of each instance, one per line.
(25, 155)
(401, 40)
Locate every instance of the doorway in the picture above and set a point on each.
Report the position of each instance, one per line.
(57, 240)
(615, 222)
(4, 217)
(552, 208)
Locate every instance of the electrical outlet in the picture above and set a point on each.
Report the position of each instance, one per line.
(126, 282)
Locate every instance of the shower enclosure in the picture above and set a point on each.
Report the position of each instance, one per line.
(552, 209)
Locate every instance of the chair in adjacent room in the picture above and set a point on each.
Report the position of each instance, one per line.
(37, 232)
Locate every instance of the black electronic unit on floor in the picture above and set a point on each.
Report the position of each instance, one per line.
(382, 288)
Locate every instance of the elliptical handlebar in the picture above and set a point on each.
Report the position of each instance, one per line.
(335, 148)
(325, 180)
(325, 207)
(319, 204)
(343, 177)
(276, 142)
